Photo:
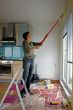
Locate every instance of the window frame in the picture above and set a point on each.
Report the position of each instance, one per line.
(67, 31)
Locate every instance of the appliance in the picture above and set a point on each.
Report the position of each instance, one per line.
(5, 68)
(8, 32)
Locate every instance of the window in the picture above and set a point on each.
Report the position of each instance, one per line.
(67, 52)
(69, 71)
(65, 58)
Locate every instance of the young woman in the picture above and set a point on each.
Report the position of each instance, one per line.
(28, 59)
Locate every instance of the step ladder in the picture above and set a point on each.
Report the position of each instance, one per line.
(14, 85)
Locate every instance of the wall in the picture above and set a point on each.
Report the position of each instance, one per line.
(48, 55)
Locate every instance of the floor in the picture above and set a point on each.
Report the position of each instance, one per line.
(37, 101)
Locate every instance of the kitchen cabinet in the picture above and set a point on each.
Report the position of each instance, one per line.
(16, 66)
(20, 28)
(13, 32)
(0, 32)
(6, 30)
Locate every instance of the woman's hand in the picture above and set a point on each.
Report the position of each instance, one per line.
(37, 47)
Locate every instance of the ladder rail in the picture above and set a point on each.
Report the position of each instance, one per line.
(21, 100)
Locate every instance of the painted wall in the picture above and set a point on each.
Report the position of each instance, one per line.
(48, 55)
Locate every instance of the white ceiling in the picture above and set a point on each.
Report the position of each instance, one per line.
(31, 10)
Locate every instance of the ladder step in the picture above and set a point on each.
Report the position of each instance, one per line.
(13, 87)
(11, 99)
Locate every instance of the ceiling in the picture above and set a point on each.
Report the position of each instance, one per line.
(31, 10)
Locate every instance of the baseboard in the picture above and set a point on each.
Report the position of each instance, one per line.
(5, 80)
(65, 89)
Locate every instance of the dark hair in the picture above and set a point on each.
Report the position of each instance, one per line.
(25, 35)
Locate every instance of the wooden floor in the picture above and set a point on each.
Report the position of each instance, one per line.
(37, 103)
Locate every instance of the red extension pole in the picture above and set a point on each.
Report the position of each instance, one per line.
(50, 30)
